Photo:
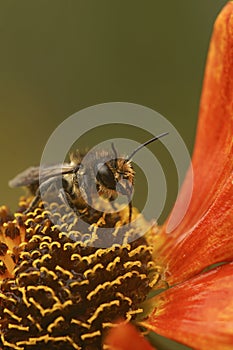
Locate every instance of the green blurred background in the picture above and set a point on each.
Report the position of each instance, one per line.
(58, 57)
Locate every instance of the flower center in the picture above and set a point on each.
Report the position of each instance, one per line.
(63, 292)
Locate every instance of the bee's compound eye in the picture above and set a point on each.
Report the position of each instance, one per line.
(105, 176)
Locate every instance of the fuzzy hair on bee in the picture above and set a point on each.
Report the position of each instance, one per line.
(78, 182)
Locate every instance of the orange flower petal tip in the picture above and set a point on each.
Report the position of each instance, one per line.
(126, 337)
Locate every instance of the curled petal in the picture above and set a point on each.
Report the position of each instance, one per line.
(204, 235)
(126, 337)
(198, 312)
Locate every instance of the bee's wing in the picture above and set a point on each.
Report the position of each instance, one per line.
(33, 175)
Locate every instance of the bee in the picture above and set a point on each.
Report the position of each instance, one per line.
(77, 183)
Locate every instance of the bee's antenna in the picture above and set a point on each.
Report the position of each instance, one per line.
(145, 144)
(115, 153)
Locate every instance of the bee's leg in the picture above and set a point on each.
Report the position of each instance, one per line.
(130, 211)
(34, 202)
(67, 200)
(42, 189)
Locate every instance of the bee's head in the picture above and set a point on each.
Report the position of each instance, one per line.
(115, 175)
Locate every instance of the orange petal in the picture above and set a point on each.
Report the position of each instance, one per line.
(126, 337)
(198, 312)
(204, 235)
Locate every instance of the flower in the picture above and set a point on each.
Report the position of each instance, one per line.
(198, 309)
(58, 289)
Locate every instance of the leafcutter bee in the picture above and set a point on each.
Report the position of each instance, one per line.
(78, 183)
